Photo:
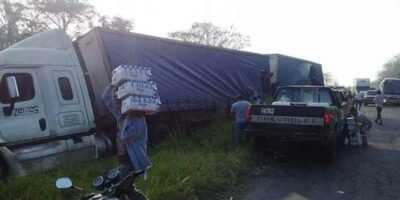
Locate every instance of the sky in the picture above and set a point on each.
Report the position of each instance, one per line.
(350, 38)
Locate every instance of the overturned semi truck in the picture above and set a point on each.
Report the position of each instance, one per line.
(50, 90)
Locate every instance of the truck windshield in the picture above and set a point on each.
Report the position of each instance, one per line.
(371, 93)
(391, 87)
(362, 88)
(304, 95)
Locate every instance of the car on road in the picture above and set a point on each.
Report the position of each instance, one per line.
(369, 97)
(301, 114)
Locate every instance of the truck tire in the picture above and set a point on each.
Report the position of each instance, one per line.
(105, 145)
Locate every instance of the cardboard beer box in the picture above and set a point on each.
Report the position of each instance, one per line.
(141, 88)
(148, 104)
(351, 123)
(125, 73)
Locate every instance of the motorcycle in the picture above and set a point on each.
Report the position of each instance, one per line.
(110, 184)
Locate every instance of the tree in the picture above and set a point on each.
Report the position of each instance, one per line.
(116, 23)
(329, 80)
(207, 33)
(11, 15)
(63, 14)
(32, 22)
(391, 69)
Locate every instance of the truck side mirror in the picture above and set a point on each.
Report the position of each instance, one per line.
(13, 93)
(12, 87)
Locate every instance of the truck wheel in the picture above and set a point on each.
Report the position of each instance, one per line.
(105, 145)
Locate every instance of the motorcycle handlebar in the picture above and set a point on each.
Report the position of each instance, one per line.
(133, 174)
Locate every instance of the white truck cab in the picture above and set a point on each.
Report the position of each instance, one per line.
(46, 115)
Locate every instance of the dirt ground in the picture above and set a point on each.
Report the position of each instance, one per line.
(294, 172)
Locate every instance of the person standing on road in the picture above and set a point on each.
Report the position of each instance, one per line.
(349, 96)
(363, 122)
(131, 142)
(359, 100)
(239, 109)
(379, 104)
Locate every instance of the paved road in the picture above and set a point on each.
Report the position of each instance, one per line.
(371, 173)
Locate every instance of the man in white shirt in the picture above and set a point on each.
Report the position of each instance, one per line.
(379, 104)
(359, 100)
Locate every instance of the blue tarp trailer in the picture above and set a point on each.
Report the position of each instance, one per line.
(189, 76)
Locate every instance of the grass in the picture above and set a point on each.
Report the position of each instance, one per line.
(202, 165)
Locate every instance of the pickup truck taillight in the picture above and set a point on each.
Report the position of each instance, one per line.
(327, 118)
(248, 113)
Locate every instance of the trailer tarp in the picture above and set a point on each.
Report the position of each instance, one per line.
(188, 72)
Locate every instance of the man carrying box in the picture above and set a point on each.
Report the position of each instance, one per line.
(131, 141)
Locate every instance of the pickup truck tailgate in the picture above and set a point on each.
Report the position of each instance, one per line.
(274, 118)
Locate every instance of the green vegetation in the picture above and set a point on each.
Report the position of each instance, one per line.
(202, 165)
(391, 69)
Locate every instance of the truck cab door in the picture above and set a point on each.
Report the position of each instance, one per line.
(70, 113)
(28, 118)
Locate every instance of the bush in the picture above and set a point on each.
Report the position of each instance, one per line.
(201, 165)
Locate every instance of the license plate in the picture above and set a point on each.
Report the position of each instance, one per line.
(267, 111)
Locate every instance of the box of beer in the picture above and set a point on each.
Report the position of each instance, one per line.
(125, 73)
